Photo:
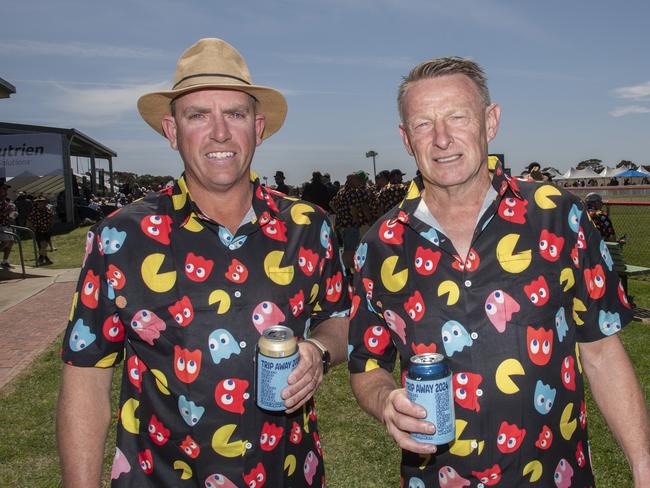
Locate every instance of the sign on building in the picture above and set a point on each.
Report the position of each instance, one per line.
(30, 155)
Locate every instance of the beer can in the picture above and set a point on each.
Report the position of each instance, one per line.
(428, 383)
(277, 356)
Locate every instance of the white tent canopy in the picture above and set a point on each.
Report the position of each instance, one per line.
(611, 172)
(575, 174)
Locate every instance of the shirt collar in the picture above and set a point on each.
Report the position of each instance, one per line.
(186, 213)
(501, 182)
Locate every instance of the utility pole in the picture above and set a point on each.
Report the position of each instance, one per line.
(373, 154)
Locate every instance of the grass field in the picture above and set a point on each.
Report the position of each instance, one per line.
(358, 452)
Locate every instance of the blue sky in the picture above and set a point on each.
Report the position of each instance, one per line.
(573, 78)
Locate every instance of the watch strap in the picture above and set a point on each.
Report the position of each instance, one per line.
(325, 354)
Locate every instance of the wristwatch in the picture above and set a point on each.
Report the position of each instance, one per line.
(325, 354)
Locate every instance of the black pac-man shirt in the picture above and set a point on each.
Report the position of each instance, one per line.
(538, 279)
(183, 302)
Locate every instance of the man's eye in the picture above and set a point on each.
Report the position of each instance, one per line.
(196, 116)
(237, 115)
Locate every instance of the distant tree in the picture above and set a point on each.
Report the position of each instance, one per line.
(627, 164)
(125, 181)
(153, 182)
(593, 164)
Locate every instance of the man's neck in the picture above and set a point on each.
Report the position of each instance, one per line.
(228, 208)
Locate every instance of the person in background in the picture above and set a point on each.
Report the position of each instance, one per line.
(393, 193)
(534, 171)
(8, 216)
(506, 279)
(23, 205)
(181, 285)
(600, 217)
(41, 221)
(316, 192)
(280, 184)
(352, 206)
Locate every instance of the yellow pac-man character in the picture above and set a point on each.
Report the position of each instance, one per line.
(391, 280)
(511, 261)
(578, 307)
(130, 422)
(535, 469)
(567, 278)
(161, 381)
(107, 361)
(567, 424)
(450, 289)
(222, 445)
(371, 364)
(314, 293)
(186, 471)
(299, 213)
(290, 464)
(221, 298)
(543, 196)
(503, 377)
(180, 200)
(155, 280)
(193, 224)
(464, 447)
(280, 275)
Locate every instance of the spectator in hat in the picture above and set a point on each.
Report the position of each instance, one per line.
(182, 283)
(279, 182)
(599, 216)
(41, 221)
(8, 215)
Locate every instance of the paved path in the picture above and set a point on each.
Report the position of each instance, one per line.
(33, 313)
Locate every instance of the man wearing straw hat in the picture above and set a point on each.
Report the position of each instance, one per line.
(181, 284)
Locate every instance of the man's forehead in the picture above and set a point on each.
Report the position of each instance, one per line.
(234, 97)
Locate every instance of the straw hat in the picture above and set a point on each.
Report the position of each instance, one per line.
(213, 63)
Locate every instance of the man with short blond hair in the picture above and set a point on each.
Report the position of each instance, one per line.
(512, 284)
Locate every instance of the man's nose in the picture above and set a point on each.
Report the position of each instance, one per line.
(441, 136)
(220, 130)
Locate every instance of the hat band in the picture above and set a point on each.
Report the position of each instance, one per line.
(209, 74)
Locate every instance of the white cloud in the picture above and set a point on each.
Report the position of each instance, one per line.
(629, 109)
(77, 49)
(637, 92)
(100, 106)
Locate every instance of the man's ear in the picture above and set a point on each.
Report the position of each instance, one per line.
(492, 119)
(405, 140)
(169, 128)
(260, 123)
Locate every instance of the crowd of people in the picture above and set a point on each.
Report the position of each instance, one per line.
(25, 211)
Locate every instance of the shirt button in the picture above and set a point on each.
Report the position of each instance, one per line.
(474, 335)
(468, 283)
(474, 444)
(248, 446)
(237, 294)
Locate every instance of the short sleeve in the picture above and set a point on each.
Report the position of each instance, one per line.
(370, 339)
(600, 302)
(95, 333)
